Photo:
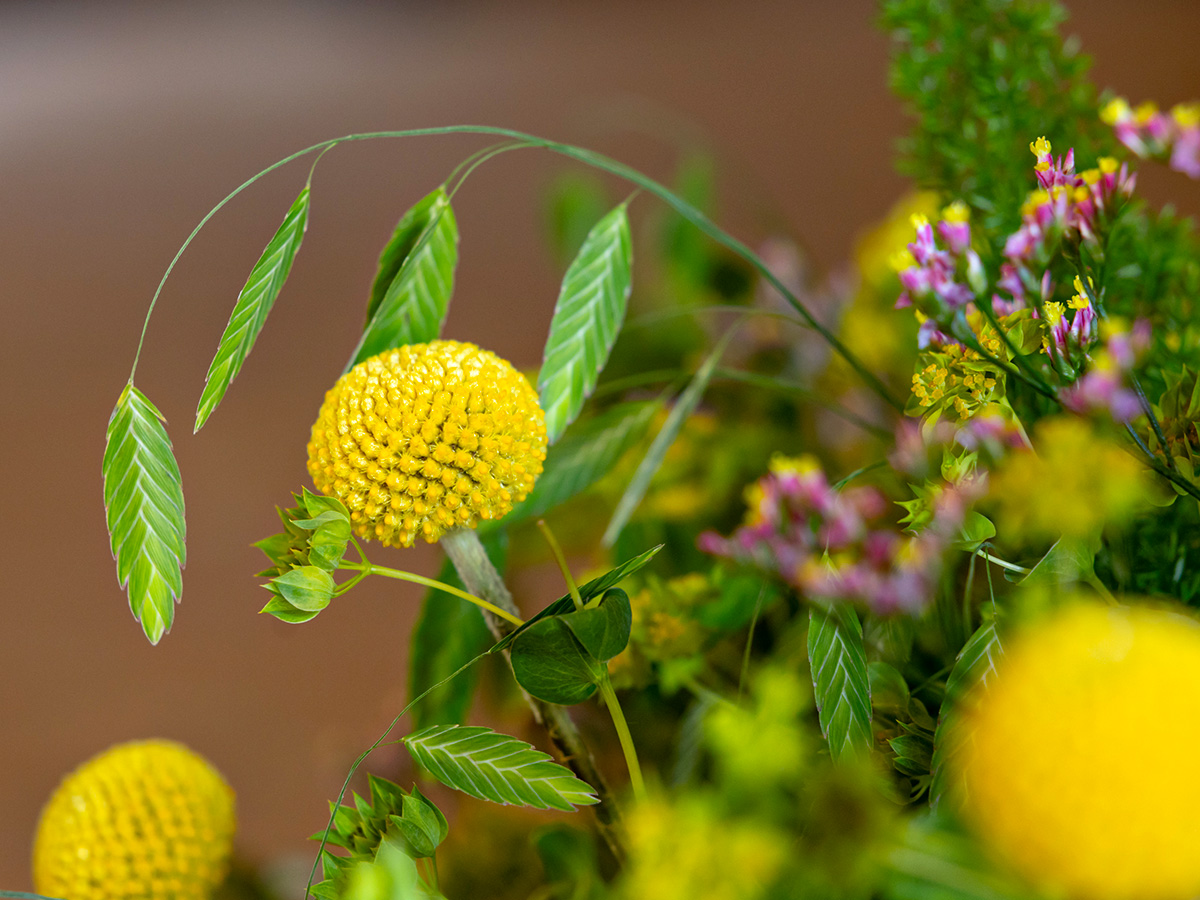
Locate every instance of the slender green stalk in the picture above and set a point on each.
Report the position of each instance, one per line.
(597, 161)
(572, 587)
(1012, 567)
(368, 568)
(470, 560)
(636, 782)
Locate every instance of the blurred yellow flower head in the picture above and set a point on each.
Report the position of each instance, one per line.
(142, 821)
(1078, 757)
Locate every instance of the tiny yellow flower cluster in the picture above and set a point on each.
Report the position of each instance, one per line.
(1078, 757)
(1080, 300)
(425, 438)
(142, 821)
(947, 382)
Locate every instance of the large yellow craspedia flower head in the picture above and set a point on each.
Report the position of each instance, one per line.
(1079, 757)
(425, 438)
(148, 820)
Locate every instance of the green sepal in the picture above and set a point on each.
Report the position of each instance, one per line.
(308, 588)
(285, 612)
(421, 827)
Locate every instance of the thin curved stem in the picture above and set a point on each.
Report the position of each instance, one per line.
(597, 161)
(636, 781)
(368, 568)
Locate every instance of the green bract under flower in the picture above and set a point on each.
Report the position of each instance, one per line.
(425, 438)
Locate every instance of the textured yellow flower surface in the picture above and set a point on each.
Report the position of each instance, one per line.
(149, 820)
(1080, 757)
(425, 438)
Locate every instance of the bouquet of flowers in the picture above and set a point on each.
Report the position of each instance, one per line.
(881, 588)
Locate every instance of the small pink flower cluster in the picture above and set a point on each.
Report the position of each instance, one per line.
(939, 282)
(1173, 135)
(1104, 388)
(1064, 203)
(833, 547)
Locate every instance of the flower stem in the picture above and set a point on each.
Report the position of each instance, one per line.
(614, 709)
(466, 552)
(368, 568)
(572, 587)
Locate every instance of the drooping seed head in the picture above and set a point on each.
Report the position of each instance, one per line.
(149, 820)
(429, 437)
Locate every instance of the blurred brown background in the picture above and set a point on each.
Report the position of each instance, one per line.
(121, 124)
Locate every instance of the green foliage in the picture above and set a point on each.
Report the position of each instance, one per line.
(684, 406)
(391, 875)
(936, 860)
(449, 633)
(587, 317)
(975, 664)
(143, 504)
(560, 658)
(982, 79)
(840, 679)
(393, 822)
(586, 452)
(304, 557)
(411, 292)
(253, 304)
(589, 592)
(491, 766)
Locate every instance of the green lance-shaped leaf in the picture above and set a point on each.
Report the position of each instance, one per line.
(588, 315)
(585, 454)
(975, 664)
(841, 683)
(652, 461)
(143, 500)
(253, 304)
(411, 293)
(496, 767)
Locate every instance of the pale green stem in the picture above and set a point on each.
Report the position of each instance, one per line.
(636, 782)
(572, 587)
(1012, 567)
(371, 569)
(470, 560)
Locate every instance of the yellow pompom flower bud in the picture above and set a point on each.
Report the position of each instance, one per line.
(426, 438)
(1079, 756)
(148, 820)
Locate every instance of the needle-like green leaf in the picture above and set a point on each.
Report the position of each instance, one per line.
(496, 767)
(588, 315)
(653, 460)
(253, 304)
(411, 293)
(143, 501)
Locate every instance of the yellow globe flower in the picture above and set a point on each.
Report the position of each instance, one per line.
(1079, 757)
(426, 438)
(148, 820)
